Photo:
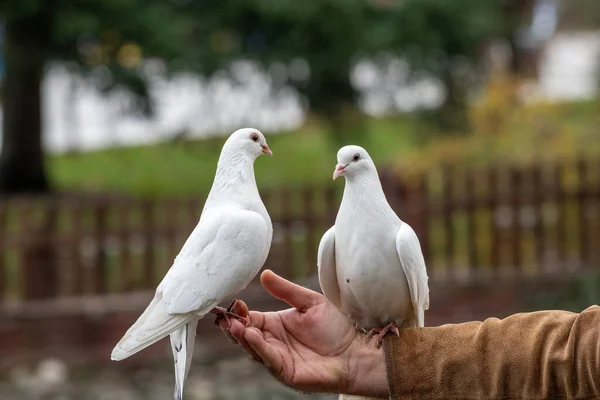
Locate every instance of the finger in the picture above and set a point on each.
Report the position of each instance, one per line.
(257, 319)
(269, 356)
(237, 332)
(229, 336)
(236, 329)
(295, 295)
(223, 324)
(225, 327)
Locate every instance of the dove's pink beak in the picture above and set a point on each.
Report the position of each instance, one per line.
(267, 150)
(339, 169)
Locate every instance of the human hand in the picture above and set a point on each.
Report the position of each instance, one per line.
(311, 347)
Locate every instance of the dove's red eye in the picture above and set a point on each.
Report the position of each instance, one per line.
(356, 157)
(254, 137)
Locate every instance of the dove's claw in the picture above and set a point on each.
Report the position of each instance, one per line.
(381, 332)
(227, 314)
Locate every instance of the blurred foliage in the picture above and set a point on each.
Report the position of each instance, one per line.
(96, 34)
(311, 46)
(330, 35)
(499, 100)
(507, 129)
(207, 36)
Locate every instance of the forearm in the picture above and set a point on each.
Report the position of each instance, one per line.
(535, 355)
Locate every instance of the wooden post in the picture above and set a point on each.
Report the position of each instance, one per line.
(401, 200)
(493, 193)
(515, 204)
(173, 226)
(447, 214)
(309, 220)
(125, 267)
(471, 211)
(582, 191)
(40, 272)
(594, 196)
(99, 275)
(561, 223)
(77, 274)
(266, 197)
(331, 206)
(148, 229)
(537, 188)
(422, 217)
(288, 245)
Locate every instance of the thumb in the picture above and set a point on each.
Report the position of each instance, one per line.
(295, 295)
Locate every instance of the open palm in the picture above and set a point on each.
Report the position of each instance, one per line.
(307, 347)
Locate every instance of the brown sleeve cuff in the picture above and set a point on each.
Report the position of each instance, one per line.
(546, 354)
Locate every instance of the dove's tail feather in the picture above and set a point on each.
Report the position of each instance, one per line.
(154, 324)
(182, 344)
(420, 317)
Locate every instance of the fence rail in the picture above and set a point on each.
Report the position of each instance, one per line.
(472, 224)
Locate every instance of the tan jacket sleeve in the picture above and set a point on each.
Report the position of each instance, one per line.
(540, 355)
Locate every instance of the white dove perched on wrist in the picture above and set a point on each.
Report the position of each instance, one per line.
(370, 262)
(225, 251)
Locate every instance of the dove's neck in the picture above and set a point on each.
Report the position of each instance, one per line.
(234, 179)
(364, 190)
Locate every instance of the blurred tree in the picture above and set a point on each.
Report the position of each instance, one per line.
(439, 36)
(88, 35)
(112, 37)
(524, 56)
(27, 37)
(446, 39)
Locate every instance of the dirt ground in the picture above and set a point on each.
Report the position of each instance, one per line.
(233, 378)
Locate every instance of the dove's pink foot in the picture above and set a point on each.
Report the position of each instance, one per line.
(227, 314)
(381, 332)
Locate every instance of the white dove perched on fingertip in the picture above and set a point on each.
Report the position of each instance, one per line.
(223, 254)
(370, 262)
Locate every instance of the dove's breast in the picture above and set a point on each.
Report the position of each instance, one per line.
(373, 288)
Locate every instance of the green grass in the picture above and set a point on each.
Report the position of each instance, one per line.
(306, 156)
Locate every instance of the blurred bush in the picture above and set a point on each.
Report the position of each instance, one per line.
(506, 128)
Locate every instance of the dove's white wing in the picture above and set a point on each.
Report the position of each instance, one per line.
(413, 264)
(209, 270)
(222, 255)
(326, 266)
(154, 324)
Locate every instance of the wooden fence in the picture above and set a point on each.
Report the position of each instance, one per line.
(473, 224)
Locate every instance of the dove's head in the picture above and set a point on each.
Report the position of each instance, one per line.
(353, 161)
(248, 141)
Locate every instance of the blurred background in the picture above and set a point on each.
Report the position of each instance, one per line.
(483, 118)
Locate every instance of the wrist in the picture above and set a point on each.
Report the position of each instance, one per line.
(366, 366)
